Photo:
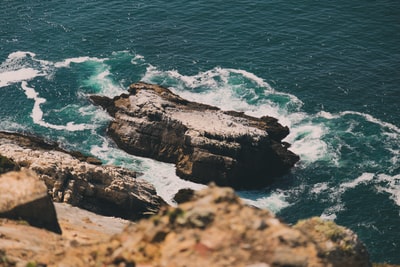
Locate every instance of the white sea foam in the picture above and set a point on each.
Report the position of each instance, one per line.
(362, 179)
(137, 59)
(383, 183)
(103, 82)
(372, 119)
(16, 69)
(320, 188)
(14, 76)
(391, 185)
(306, 140)
(335, 194)
(37, 113)
(218, 88)
(330, 214)
(67, 62)
(274, 201)
(161, 175)
(20, 54)
(13, 126)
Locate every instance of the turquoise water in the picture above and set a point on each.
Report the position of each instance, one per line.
(328, 70)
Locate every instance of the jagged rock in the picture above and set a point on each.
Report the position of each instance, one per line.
(24, 245)
(7, 165)
(107, 190)
(24, 197)
(340, 245)
(217, 229)
(184, 195)
(205, 143)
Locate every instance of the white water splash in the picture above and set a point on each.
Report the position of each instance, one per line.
(274, 201)
(14, 69)
(66, 63)
(161, 175)
(10, 77)
(383, 184)
(391, 185)
(37, 113)
(227, 92)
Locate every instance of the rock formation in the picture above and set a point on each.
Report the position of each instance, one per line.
(107, 190)
(338, 244)
(216, 229)
(24, 245)
(206, 144)
(24, 197)
(7, 165)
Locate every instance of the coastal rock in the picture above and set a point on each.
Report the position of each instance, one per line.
(107, 190)
(7, 165)
(183, 195)
(24, 245)
(338, 244)
(208, 231)
(24, 197)
(206, 144)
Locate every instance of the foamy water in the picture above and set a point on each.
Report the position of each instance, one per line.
(323, 139)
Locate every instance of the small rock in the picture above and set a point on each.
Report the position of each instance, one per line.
(183, 195)
(24, 197)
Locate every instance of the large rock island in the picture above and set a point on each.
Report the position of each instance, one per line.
(206, 143)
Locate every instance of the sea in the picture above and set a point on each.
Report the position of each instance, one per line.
(329, 70)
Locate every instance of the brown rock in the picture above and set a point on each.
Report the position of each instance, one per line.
(7, 165)
(108, 190)
(205, 143)
(184, 195)
(24, 245)
(340, 245)
(216, 229)
(24, 197)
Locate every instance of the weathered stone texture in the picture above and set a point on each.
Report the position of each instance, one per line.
(107, 190)
(206, 144)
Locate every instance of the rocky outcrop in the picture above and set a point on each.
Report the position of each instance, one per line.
(24, 197)
(70, 178)
(205, 143)
(24, 245)
(7, 165)
(216, 229)
(338, 244)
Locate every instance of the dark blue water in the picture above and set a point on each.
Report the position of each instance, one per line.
(328, 70)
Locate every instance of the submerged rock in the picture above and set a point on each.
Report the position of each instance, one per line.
(24, 197)
(107, 190)
(206, 144)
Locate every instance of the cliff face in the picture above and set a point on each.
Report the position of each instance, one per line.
(107, 190)
(205, 143)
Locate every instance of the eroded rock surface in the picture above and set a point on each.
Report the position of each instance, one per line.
(24, 245)
(205, 143)
(216, 229)
(107, 190)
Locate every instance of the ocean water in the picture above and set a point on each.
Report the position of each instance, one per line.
(330, 70)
